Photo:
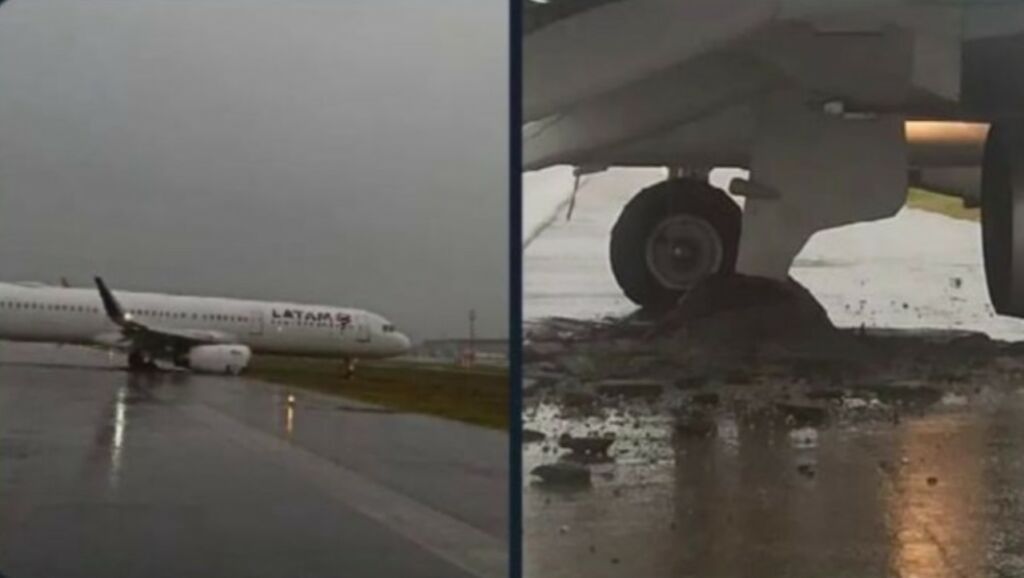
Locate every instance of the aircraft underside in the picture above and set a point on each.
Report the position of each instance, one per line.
(825, 110)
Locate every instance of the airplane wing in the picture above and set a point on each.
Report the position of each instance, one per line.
(159, 341)
(670, 83)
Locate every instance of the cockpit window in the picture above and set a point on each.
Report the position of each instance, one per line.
(388, 328)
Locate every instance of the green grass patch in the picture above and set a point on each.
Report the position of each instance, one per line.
(942, 204)
(478, 396)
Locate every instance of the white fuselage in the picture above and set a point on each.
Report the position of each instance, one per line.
(76, 316)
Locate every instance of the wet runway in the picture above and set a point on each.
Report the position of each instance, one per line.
(929, 493)
(938, 495)
(107, 474)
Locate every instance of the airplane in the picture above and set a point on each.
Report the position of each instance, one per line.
(202, 334)
(833, 106)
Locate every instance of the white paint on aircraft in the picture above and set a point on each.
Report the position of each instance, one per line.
(179, 328)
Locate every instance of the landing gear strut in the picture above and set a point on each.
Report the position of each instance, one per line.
(669, 237)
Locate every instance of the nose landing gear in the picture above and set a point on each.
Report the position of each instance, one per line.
(350, 368)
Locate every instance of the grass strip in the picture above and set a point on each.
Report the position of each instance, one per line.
(941, 204)
(478, 396)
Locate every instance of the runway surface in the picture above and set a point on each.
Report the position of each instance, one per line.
(937, 493)
(103, 473)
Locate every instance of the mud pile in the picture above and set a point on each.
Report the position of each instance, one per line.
(743, 330)
(743, 350)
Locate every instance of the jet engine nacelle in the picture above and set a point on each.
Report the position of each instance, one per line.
(1002, 217)
(229, 359)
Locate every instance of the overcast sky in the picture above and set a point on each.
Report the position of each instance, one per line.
(342, 152)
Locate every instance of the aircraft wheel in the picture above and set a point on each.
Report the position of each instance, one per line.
(670, 236)
(139, 361)
(1002, 201)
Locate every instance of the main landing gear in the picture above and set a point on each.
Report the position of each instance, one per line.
(139, 361)
(672, 235)
(809, 170)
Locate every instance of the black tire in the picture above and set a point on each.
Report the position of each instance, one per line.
(139, 361)
(645, 213)
(998, 190)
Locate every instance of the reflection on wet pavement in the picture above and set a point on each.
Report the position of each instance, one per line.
(938, 494)
(117, 440)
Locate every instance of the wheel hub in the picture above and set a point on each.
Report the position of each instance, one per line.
(683, 249)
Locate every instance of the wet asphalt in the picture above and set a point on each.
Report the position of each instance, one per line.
(938, 492)
(103, 473)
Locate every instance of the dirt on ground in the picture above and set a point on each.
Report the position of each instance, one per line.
(747, 348)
